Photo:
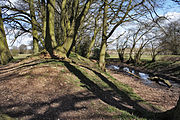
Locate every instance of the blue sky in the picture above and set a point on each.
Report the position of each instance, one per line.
(169, 6)
(170, 9)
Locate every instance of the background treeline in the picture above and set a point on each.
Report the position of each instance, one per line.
(59, 27)
(87, 26)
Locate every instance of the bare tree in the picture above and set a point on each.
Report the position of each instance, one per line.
(114, 14)
(5, 54)
(121, 45)
(34, 27)
(71, 20)
(171, 38)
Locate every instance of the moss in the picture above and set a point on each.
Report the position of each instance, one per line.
(6, 117)
(123, 115)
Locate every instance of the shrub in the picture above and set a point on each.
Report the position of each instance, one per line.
(22, 49)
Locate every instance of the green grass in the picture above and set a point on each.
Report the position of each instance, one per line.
(21, 56)
(157, 65)
(92, 74)
(123, 114)
(6, 117)
(143, 57)
(112, 84)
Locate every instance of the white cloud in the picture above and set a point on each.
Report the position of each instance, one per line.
(24, 39)
(173, 16)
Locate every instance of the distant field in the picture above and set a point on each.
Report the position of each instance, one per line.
(143, 57)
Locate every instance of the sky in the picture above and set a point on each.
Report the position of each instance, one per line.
(170, 9)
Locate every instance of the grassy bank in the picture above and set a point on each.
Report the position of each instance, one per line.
(168, 65)
(78, 83)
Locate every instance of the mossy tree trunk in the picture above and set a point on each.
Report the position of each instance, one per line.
(50, 42)
(93, 39)
(5, 54)
(51, 7)
(34, 27)
(43, 12)
(104, 37)
(70, 26)
(67, 26)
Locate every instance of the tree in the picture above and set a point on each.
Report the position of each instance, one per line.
(5, 54)
(22, 49)
(137, 37)
(95, 32)
(34, 27)
(71, 23)
(104, 37)
(43, 17)
(121, 45)
(19, 20)
(155, 49)
(50, 42)
(115, 16)
(171, 38)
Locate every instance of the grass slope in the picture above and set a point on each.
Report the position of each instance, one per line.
(52, 89)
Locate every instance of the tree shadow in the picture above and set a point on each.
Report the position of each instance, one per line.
(12, 72)
(23, 65)
(53, 108)
(115, 97)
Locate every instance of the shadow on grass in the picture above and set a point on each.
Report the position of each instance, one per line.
(50, 110)
(54, 108)
(25, 64)
(14, 69)
(124, 102)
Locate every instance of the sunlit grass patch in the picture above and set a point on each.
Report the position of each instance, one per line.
(21, 56)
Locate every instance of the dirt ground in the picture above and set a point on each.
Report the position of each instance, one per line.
(163, 97)
(31, 91)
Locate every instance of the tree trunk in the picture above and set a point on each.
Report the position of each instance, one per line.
(5, 54)
(104, 38)
(63, 50)
(131, 60)
(79, 20)
(70, 39)
(50, 42)
(121, 57)
(153, 58)
(93, 39)
(91, 46)
(34, 27)
(43, 12)
(50, 22)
